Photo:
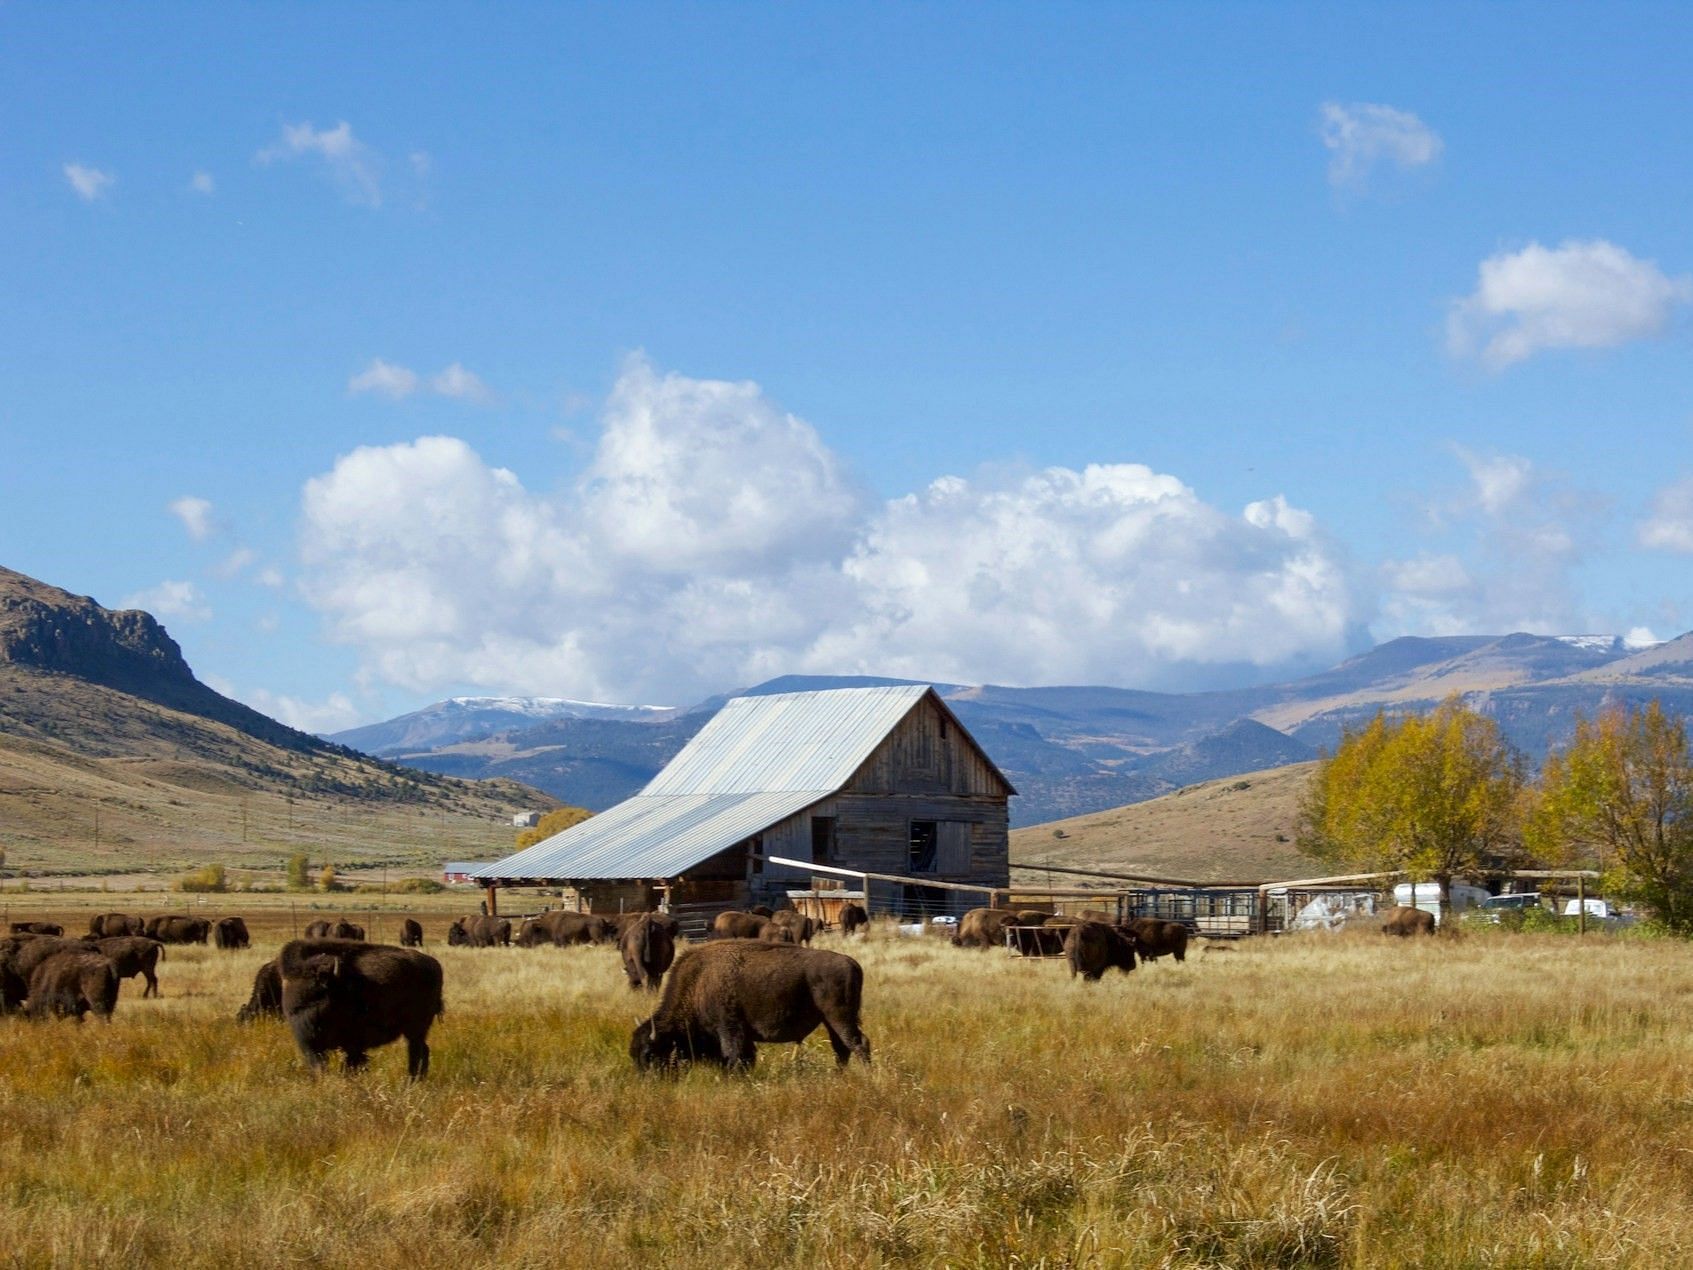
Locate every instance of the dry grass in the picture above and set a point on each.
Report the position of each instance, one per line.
(1519, 1101)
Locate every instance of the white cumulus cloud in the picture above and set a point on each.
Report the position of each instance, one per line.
(170, 599)
(353, 166)
(1360, 135)
(715, 540)
(1590, 294)
(88, 182)
(197, 515)
(385, 379)
(1670, 526)
(333, 714)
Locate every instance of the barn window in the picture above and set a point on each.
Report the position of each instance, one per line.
(924, 836)
(822, 838)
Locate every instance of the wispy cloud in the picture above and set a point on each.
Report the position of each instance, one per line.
(1362, 135)
(1590, 294)
(197, 515)
(384, 379)
(1670, 526)
(456, 381)
(170, 599)
(355, 168)
(89, 183)
(203, 182)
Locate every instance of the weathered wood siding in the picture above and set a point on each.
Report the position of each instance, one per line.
(926, 770)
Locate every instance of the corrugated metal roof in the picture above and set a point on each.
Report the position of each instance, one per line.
(789, 741)
(758, 761)
(651, 836)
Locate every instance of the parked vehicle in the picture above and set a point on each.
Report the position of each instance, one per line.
(1523, 901)
(1605, 912)
(1426, 896)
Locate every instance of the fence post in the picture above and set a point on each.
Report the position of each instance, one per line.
(1581, 906)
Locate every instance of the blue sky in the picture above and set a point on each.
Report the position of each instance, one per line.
(638, 352)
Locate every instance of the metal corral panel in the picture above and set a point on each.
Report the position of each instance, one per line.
(812, 741)
(652, 837)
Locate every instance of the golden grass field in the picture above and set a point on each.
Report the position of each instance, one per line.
(1341, 1100)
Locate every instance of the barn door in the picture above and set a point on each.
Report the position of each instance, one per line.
(952, 849)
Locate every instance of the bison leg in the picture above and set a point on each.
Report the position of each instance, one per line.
(417, 1058)
(152, 988)
(737, 1048)
(356, 1060)
(846, 1040)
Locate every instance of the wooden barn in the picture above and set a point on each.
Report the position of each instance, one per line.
(883, 779)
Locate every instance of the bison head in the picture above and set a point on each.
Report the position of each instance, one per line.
(456, 937)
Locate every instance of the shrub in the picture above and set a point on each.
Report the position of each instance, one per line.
(299, 873)
(208, 878)
(418, 886)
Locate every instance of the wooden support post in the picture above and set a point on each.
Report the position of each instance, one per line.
(1581, 906)
(493, 900)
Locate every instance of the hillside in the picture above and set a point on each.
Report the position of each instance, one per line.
(114, 757)
(1239, 828)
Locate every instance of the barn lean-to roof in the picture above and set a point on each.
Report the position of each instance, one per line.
(757, 762)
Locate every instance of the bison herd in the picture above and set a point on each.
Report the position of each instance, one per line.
(756, 980)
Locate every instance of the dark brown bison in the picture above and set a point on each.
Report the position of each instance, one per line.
(648, 946)
(562, 927)
(20, 955)
(179, 930)
(724, 997)
(761, 910)
(344, 929)
(266, 1001)
(734, 924)
(1092, 948)
(37, 928)
(1033, 916)
(131, 955)
(779, 933)
(340, 994)
(854, 919)
(803, 927)
(108, 925)
(478, 932)
(1155, 938)
(73, 983)
(230, 933)
(319, 929)
(623, 921)
(411, 933)
(1404, 921)
(984, 928)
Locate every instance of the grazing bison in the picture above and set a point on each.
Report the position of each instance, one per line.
(1155, 938)
(131, 955)
(854, 919)
(648, 946)
(73, 983)
(179, 930)
(1404, 921)
(1033, 916)
(761, 910)
(20, 955)
(984, 927)
(802, 927)
(266, 1001)
(779, 933)
(231, 933)
(725, 997)
(37, 928)
(734, 924)
(340, 994)
(319, 929)
(411, 933)
(347, 930)
(562, 927)
(108, 925)
(478, 932)
(1092, 948)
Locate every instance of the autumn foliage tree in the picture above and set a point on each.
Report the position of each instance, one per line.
(555, 821)
(1619, 797)
(1436, 795)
